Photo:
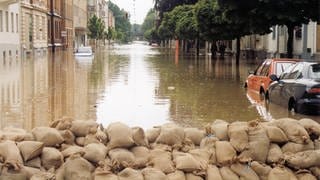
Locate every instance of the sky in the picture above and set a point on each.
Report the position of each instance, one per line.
(142, 8)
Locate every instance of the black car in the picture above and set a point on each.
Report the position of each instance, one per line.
(297, 88)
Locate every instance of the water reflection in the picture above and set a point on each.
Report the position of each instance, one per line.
(135, 84)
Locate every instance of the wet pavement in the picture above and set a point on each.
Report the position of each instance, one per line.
(135, 84)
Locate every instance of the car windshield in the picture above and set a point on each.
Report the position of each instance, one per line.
(281, 67)
(315, 71)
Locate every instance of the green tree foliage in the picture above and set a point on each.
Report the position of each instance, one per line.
(96, 28)
(163, 6)
(122, 23)
(149, 21)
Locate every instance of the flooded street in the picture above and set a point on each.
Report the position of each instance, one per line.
(135, 84)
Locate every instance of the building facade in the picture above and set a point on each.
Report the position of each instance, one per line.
(55, 22)
(67, 29)
(34, 25)
(9, 30)
(80, 22)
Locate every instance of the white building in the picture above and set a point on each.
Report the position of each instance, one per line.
(9, 30)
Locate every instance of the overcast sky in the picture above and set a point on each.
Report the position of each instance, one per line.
(142, 8)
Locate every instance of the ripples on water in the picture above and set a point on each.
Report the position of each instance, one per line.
(135, 84)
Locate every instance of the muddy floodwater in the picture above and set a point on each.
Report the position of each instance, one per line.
(136, 84)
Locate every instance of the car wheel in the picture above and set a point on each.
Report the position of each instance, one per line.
(262, 95)
(292, 106)
(245, 85)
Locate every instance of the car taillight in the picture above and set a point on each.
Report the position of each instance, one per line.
(314, 90)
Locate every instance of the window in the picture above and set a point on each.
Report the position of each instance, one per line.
(286, 72)
(1, 24)
(265, 69)
(258, 70)
(314, 71)
(7, 21)
(296, 73)
(12, 22)
(281, 67)
(37, 24)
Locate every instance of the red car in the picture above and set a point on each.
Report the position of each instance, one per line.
(259, 80)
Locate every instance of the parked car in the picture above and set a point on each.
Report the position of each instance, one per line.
(259, 80)
(297, 88)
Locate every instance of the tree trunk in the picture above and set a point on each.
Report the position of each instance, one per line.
(198, 47)
(290, 41)
(238, 51)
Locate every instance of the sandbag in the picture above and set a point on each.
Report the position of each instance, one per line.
(152, 134)
(316, 171)
(238, 134)
(130, 174)
(142, 155)
(68, 137)
(35, 163)
(276, 135)
(262, 170)
(80, 141)
(177, 175)
(228, 174)
(43, 176)
(161, 147)
(30, 149)
(213, 173)
(90, 139)
(317, 144)
(208, 142)
(152, 174)
(82, 128)
(244, 171)
(186, 162)
(258, 145)
(171, 135)
(101, 136)
(311, 126)
(51, 158)
(203, 156)
(119, 140)
(305, 159)
(275, 154)
(220, 129)
(62, 124)
(281, 173)
(294, 131)
(11, 154)
(305, 175)
(161, 160)
(225, 152)
(190, 176)
(139, 137)
(49, 136)
(77, 168)
(291, 147)
(195, 135)
(95, 152)
(121, 158)
(13, 134)
(72, 150)
(101, 174)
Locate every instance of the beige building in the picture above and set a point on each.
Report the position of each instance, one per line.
(34, 25)
(80, 23)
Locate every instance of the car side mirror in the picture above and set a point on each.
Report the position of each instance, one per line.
(250, 72)
(274, 77)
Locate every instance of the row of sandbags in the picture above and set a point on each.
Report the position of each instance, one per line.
(70, 149)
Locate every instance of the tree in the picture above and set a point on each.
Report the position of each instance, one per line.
(96, 28)
(163, 6)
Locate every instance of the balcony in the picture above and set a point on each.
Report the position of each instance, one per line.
(8, 1)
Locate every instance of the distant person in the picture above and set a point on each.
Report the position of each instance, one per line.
(222, 50)
(214, 49)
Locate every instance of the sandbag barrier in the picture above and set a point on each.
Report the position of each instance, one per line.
(70, 149)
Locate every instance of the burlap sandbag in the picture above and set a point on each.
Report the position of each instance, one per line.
(262, 170)
(238, 134)
(276, 135)
(195, 135)
(305, 159)
(213, 173)
(35, 163)
(119, 140)
(101, 174)
(291, 147)
(208, 142)
(225, 152)
(190, 176)
(161, 147)
(130, 174)
(177, 175)
(244, 171)
(13, 134)
(311, 126)
(220, 129)
(186, 162)
(51, 158)
(203, 156)
(77, 168)
(62, 124)
(101, 136)
(139, 137)
(95, 152)
(9, 174)
(82, 128)
(10, 153)
(80, 141)
(90, 139)
(305, 175)
(316, 171)
(317, 144)
(161, 160)
(275, 154)
(228, 174)
(68, 137)
(152, 174)
(43, 176)
(142, 155)
(294, 131)
(258, 145)
(171, 135)
(152, 134)
(73, 150)
(49, 136)
(121, 158)
(281, 173)
(30, 149)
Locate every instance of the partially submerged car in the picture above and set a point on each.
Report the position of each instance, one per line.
(297, 88)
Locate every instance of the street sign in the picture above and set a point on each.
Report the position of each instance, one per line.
(64, 34)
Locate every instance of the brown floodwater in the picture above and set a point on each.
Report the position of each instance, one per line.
(135, 84)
